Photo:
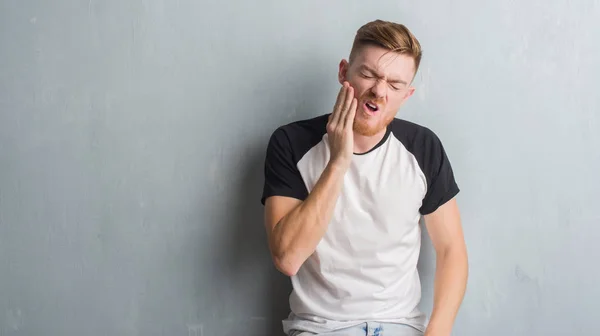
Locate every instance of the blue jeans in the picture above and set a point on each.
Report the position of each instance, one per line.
(369, 329)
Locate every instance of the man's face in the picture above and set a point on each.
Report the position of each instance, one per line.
(381, 82)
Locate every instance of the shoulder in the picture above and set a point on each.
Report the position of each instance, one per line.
(409, 132)
(304, 128)
(424, 144)
(299, 136)
(418, 139)
(287, 145)
(427, 149)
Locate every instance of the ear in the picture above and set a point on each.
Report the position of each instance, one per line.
(409, 92)
(343, 69)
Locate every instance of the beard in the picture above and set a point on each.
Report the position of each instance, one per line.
(371, 125)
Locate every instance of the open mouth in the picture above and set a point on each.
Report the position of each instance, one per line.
(372, 107)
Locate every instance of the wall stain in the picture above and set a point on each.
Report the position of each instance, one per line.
(14, 319)
(521, 275)
(195, 329)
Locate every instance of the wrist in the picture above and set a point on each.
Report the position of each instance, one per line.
(338, 166)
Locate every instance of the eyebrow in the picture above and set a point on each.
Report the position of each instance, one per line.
(392, 80)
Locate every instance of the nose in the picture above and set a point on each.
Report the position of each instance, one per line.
(379, 89)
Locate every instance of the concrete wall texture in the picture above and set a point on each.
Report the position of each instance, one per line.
(132, 137)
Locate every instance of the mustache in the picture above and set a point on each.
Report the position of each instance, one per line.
(370, 97)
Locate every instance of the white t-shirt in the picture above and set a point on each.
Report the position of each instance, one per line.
(365, 267)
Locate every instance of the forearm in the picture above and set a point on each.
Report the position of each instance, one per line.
(449, 288)
(298, 233)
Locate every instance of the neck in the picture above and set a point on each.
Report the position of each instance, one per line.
(363, 143)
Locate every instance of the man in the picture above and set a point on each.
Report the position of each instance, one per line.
(344, 193)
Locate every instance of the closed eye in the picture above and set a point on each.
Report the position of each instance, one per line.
(395, 85)
(365, 75)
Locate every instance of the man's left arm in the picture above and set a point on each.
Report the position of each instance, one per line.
(445, 230)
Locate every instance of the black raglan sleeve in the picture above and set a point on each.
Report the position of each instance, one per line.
(281, 174)
(441, 184)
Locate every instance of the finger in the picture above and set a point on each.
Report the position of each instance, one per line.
(346, 108)
(337, 109)
(348, 100)
(349, 121)
(341, 96)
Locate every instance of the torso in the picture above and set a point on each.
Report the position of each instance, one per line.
(365, 267)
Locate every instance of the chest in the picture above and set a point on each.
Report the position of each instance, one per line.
(382, 191)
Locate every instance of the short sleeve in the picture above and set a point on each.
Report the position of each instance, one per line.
(441, 184)
(281, 174)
